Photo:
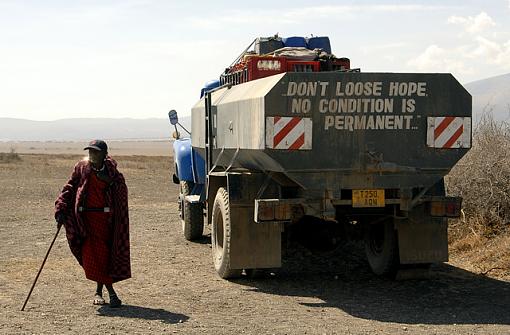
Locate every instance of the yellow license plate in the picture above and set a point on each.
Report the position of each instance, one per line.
(368, 198)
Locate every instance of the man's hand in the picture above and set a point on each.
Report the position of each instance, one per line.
(60, 218)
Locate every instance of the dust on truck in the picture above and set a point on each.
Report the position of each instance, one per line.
(284, 139)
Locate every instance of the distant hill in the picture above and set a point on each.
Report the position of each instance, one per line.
(491, 93)
(86, 129)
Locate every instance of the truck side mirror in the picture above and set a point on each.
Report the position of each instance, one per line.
(172, 115)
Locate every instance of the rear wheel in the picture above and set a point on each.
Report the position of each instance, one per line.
(192, 218)
(221, 236)
(381, 248)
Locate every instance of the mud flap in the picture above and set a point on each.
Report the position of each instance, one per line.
(253, 245)
(423, 242)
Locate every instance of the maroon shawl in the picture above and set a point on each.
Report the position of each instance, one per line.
(74, 195)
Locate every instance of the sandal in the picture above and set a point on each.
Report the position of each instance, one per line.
(115, 302)
(98, 300)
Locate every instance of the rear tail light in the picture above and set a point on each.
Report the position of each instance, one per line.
(446, 207)
(282, 212)
(267, 210)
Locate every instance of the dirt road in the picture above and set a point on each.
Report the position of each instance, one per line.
(174, 288)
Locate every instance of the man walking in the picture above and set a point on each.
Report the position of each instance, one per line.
(93, 207)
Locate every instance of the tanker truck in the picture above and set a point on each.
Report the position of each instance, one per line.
(290, 132)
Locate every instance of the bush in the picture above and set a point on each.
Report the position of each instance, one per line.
(482, 179)
(8, 157)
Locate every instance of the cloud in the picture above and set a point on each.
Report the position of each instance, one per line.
(437, 59)
(463, 60)
(484, 48)
(492, 52)
(474, 24)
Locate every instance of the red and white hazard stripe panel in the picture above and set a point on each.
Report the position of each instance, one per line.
(449, 132)
(289, 133)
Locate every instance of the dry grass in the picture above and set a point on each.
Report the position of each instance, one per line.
(482, 178)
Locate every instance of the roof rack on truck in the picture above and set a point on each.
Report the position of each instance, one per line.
(274, 55)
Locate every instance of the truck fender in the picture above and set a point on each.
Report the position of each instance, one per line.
(182, 156)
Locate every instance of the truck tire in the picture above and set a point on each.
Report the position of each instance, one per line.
(381, 248)
(220, 236)
(192, 218)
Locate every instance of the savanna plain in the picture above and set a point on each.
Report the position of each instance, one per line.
(175, 289)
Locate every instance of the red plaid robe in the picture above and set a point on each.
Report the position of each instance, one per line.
(74, 195)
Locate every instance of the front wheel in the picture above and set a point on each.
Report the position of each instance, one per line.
(381, 248)
(221, 236)
(192, 218)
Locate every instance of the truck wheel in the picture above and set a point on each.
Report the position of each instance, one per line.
(381, 248)
(192, 218)
(220, 236)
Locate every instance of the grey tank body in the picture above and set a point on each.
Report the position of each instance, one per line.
(332, 130)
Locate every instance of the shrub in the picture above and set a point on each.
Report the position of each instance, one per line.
(482, 178)
(8, 157)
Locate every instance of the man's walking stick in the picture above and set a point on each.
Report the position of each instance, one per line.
(42, 265)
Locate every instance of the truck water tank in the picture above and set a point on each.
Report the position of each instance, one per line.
(211, 84)
(294, 41)
(321, 42)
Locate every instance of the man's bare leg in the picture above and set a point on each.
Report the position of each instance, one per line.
(114, 299)
(98, 297)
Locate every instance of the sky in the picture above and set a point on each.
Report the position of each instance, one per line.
(141, 58)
